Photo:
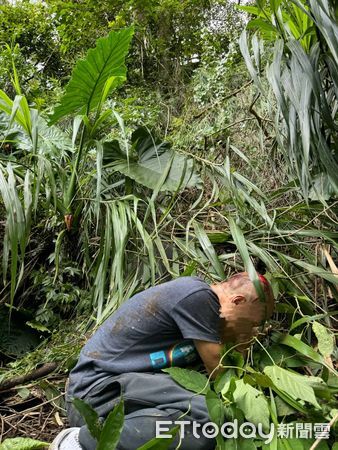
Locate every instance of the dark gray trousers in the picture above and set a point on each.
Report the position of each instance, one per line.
(148, 397)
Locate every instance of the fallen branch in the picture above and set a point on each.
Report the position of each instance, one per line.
(33, 375)
(230, 125)
(227, 97)
(328, 427)
(257, 116)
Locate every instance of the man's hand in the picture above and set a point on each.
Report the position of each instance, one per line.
(210, 354)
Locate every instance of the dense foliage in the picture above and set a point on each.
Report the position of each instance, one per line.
(215, 152)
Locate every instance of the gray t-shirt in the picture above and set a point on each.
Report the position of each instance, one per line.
(152, 330)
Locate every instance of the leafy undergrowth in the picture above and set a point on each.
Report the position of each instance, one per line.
(35, 408)
(62, 347)
(283, 383)
(23, 444)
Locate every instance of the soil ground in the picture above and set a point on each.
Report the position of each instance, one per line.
(34, 411)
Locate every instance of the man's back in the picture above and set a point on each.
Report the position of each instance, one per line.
(152, 330)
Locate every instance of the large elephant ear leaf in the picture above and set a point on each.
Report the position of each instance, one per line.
(153, 164)
(102, 70)
(147, 145)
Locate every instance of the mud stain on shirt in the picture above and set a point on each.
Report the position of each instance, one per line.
(152, 307)
(94, 355)
(118, 325)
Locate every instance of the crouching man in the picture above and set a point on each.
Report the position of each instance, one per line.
(172, 324)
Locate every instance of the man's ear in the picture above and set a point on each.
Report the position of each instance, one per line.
(238, 299)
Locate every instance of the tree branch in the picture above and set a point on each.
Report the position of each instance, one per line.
(33, 375)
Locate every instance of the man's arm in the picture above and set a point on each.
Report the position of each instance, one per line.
(210, 354)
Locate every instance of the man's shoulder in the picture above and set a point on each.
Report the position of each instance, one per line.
(166, 295)
(161, 297)
(193, 282)
(179, 288)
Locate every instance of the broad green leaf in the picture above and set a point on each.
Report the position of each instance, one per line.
(90, 416)
(325, 339)
(160, 443)
(237, 444)
(283, 408)
(23, 444)
(112, 427)
(215, 407)
(293, 384)
(190, 379)
(262, 25)
(148, 162)
(112, 151)
(216, 414)
(253, 404)
(264, 381)
(320, 387)
(301, 347)
(258, 378)
(88, 84)
(223, 381)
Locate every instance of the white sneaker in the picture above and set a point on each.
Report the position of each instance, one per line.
(68, 439)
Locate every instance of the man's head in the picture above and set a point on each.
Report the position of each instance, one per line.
(241, 307)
